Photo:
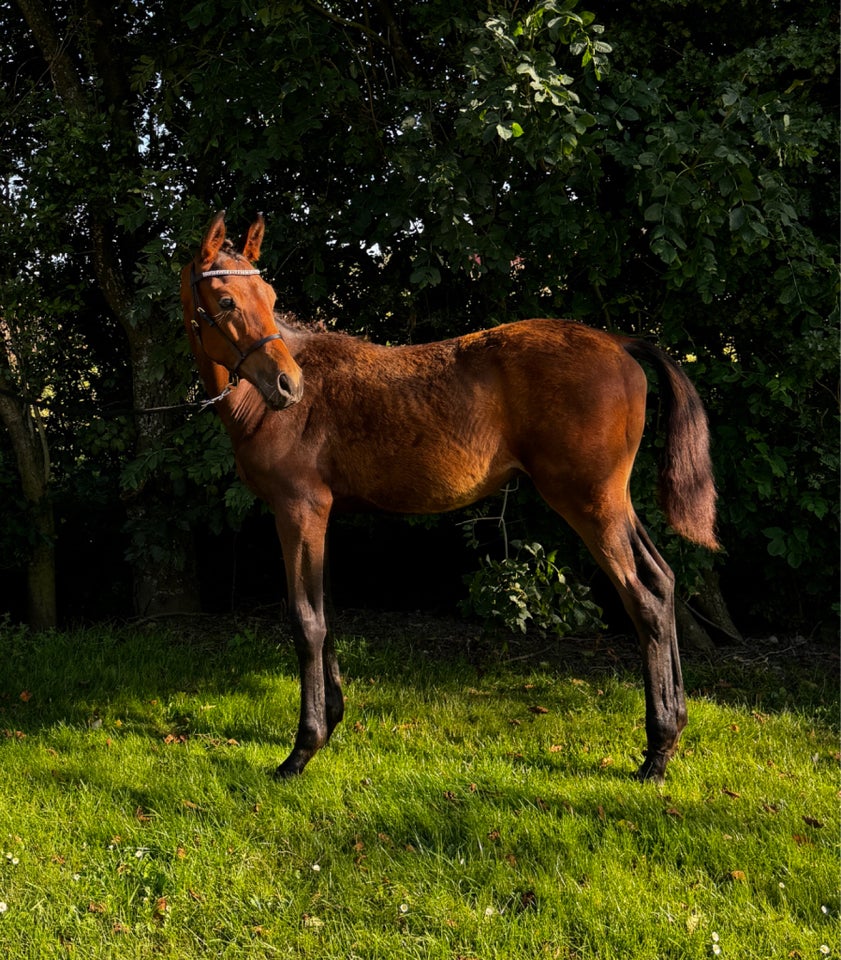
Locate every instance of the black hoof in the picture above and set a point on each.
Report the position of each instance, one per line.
(287, 770)
(653, 769)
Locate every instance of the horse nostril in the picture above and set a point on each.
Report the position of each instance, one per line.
(289, 390)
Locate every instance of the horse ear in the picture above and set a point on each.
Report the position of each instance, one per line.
(213, 239)
(253, 239)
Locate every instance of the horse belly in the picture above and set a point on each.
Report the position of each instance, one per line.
(424, 480)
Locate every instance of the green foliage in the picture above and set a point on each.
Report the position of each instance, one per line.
(530, 590)
(665, 168)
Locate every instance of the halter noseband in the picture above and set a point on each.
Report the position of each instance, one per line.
(200, 312)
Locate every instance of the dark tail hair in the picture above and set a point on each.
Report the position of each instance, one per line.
(687, 488)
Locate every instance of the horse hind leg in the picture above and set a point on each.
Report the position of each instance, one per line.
(652, 606)
(334, 700)
(645, 583)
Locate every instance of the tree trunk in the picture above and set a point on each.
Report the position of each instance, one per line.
(28, 442)
(691, 635)
(168, 585)
(712, 606)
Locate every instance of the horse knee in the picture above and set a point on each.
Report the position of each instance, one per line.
(309, 628)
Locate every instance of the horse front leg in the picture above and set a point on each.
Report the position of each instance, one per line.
(322, 703)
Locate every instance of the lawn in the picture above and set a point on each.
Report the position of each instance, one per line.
(477, 802)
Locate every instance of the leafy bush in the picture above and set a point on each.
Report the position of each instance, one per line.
(531, 590)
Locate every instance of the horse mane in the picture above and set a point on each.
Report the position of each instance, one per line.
(284, 318)
(229, 250)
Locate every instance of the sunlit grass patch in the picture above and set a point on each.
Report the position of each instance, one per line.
(457, 811)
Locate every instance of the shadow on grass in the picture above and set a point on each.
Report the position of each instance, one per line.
(73, 677)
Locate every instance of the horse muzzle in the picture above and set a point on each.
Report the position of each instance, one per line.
(287, 391)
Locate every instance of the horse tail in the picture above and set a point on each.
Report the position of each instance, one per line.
(687, 488)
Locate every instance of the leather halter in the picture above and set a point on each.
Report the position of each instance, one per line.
(201, 313)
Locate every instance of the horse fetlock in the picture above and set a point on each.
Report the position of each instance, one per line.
(653, 768)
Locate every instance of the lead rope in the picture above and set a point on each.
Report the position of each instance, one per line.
(199, 405)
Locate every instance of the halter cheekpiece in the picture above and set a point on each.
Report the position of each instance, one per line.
(201, 313)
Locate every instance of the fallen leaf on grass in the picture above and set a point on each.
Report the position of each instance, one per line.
(539, 710)
(26, 696)
(812, 822)
(528, 900)
(738, 876)
(731, 793)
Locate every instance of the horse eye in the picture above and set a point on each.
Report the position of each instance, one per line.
(226, 303)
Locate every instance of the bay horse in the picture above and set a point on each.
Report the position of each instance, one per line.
(321, 420)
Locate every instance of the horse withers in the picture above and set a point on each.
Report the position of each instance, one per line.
(321, 420)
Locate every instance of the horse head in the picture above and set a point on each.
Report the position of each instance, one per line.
(229, 315)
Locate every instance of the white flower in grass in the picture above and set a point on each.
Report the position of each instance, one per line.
(824, 949)
(3, 907)
(716, 945)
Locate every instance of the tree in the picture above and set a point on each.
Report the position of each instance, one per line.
(23, 421)
(664, 168)
(91, 112)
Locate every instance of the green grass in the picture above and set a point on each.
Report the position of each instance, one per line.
(449, 817)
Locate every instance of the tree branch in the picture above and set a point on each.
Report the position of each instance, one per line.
(393, 43)
(62, 70)
(69, 87)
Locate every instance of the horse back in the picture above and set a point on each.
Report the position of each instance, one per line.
(434, 427)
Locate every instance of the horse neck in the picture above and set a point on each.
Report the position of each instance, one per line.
(242, 409)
